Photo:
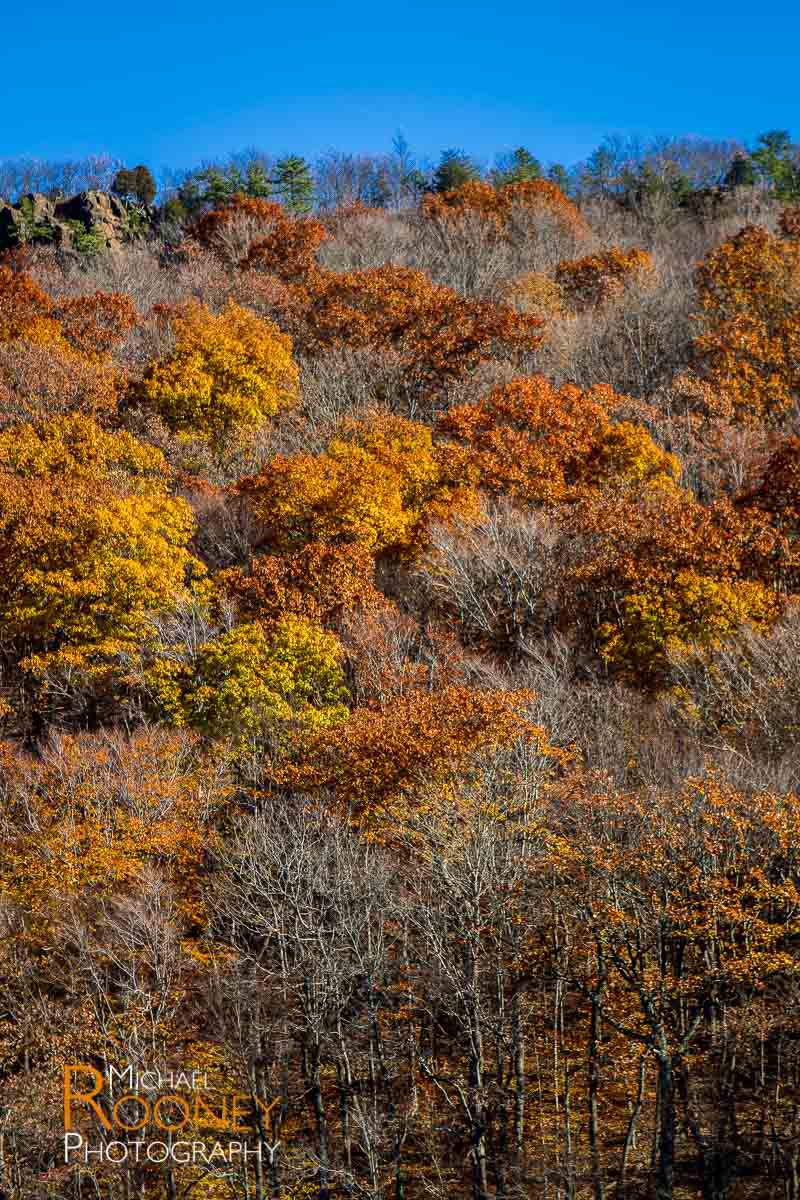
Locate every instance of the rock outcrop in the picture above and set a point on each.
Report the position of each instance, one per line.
(66, 223)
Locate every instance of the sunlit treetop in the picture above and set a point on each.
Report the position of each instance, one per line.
(531, 441)
(378, 483)
(227, 372)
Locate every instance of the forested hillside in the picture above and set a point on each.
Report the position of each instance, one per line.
(400, 680)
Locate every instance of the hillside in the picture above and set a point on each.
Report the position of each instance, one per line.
(399, 684)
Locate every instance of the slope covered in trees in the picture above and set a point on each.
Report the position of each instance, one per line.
(399, 684)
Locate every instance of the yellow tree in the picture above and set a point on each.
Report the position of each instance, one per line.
(90, 539)
(244, 681)
(227, 372)
(378, 483)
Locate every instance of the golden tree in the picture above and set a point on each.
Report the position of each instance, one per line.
(90, 539)
(378, 483)
(246, 680)
(226, 373)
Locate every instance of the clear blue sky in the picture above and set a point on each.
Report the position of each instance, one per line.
(171, 84)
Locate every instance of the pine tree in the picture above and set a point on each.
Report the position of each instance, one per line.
(517, 167)
(777, 162)
(558, 175)
(258, 185)
(294, 184)
(455, 168)
(740, 173)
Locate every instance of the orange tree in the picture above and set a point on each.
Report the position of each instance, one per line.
(262, 235)
(589, 282)
(85, 816)
(56, 355)
(91, 324)
(540, 444)
(749, 295)
(499, 206)
(770, 509)
(96, 323)
(322, 582)
(378, 764)
(439, 335)
(652, 570)
(42, 380)
(378, 483)
(789, 222)
(25, 309)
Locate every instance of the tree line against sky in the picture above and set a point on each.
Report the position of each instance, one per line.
(627, 167)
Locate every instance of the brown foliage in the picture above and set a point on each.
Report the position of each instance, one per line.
(589, 282)
(500, 205)
(789, 222)
(260, 234)
(45, 380)
(321, 582)
(440, 335)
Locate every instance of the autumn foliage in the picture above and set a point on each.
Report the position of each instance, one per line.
(378, 484)
(91, 541)
(749, 296)
(439, 335)
(259, 234)
(596, 279)
(500, 207)
(530, 441)
(228, 372)
(399, 691)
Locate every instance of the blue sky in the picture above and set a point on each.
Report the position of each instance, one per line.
(174, 85)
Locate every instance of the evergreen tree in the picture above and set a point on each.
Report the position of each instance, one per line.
(600, 172)
(776, 161)
(557, 174)
(516, 167)
(189, 197)
(740, 173)
(144, 185)
(294, 184)
(218, 189)
(455, 168)
(258, 184)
